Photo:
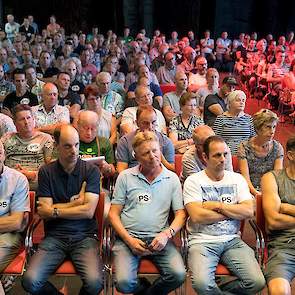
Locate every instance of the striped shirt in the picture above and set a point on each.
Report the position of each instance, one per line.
(234, 130)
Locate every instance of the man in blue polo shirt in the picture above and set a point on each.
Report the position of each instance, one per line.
(143, 198)
(67, 197)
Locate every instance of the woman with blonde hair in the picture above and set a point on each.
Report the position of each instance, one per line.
(261, 153)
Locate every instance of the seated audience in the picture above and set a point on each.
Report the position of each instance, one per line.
(67, 97)
(106, 121)
(6, 87)
(143, 71)
(35, 85)
(211, 87)
(110, 100)
(278, 187)
(197, 77)
(49, 115)
(181, 127)
(27, 149)
(193, 159)
(207, 47)
(215, 104)
(21, 95)
(166, 73)
(148, 188)
(14, 197)
(45, 71)
(188, 64)
(67, 206)
(146, 119)
(234, 126)
(217, 201)
(261, 153)
(92, 145)
(171, 106)
(143, 97)
(160, 59)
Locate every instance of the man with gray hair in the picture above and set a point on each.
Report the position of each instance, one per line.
(193, 159)
(110, 100)
(11, 27)
(166, 73)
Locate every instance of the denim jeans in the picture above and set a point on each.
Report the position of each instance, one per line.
(239, 259)
(168, 261)
(51, 253)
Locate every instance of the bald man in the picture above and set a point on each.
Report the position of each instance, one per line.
(49, 115)
(193, 160)
(67, 198)
(92, 145)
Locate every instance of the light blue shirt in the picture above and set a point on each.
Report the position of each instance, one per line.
(146, 206)
(14, 192)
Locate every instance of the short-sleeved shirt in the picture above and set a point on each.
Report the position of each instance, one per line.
(191, 163)
(231, 189)
(259, 165)
(70, 99)
(234, 130)
(125, 152)
(49, 72)
(14, 192)
(172, 100)
(91, 149)
(6, 125)
(56, 115)
(211, 99)
(11, 100)
(113, 103)
(146, 205)
(183, 132)
(165, 75)
(55, 183)
(129, 117)
(29, 153)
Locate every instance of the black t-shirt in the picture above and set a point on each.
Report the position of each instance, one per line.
(50, 72)
(27, 31)
(77, 87)
(70, 99)
(11, 100)
(211, 99)
(243, 52)
(55, 183)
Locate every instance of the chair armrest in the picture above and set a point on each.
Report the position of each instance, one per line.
(260, 242)
(29, 235)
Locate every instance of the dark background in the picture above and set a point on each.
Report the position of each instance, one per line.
(263, 16)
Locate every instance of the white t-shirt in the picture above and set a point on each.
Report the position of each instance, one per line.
(232, 189)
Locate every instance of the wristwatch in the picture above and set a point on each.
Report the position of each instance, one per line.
(55, 213)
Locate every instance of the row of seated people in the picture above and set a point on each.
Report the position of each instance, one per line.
(215, 199)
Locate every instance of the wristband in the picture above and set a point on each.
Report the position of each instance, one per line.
(172, 231)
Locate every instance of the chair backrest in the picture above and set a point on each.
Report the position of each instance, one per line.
(178, 164)
(235, 163)
(167, 88)
(99, 215)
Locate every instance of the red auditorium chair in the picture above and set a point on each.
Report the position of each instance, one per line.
(178, 164)
(67, 268)
(167, 88)
(17, 265)
(235, 163)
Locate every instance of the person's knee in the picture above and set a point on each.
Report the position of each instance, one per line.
(176, 277)
(93, 285)
(126, 286)
(279, 287)
(256, 283)
(201, 284)
(30, 283)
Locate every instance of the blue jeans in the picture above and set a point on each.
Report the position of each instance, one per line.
(168, 261)
(50, 255)
(237, 256)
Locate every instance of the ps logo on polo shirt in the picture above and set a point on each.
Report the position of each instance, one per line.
(33, 147)
(39, 75)
(2, 93)
(25, 100)
(75, 88)
(144, 198)
(226, 198)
